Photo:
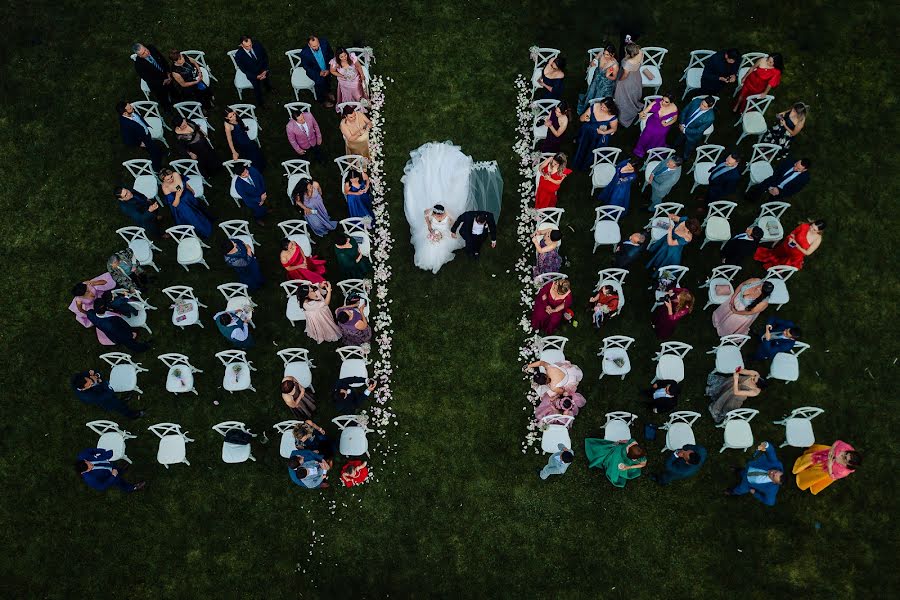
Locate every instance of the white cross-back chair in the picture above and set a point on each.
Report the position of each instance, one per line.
(652, 160)
(769, 220)
(798, 429)
(112, 437)
(297, 364)
(237, 370)
(670, 361)
(712, 126)
(652, 64)
(551, 348)
(235, 168)
(294, 311)
(613, 352)
(694, 71)
(185, 305)
(540, 57)
(537, 166)
(615, 278)
(716, 226)
(353, 440)
(679, 431)
(145, 89)
(356, 227)
(674, 272)
(149, 110)
(778, 275)
(737, 434)
(721, 275)
(618, 425)
(728, 353)
(355, 105)
(591, 68)
(541, 109)
(140, 244)
(247, 114)
(295, 170)
(545, 278)
(189, 170)
(137, 302)
(241, 82)
(299, 79)
(366, 57)
(180, 377)
(606, 226)
(190, 247)
(753, 119)
(145, 179)
(603, 169)
(123, 372)
(297, 231)
(658, 225)
(747, 61)
(237, 297)
(354, 361)
(172, 442)
(239, 229)
(705, 159)
(234, 453)
(785, 365)
(287, 444)
(359, 287)
(350, 162)
(548, 218)
(292, 107)
(760, 163)
(193, 111)
(648, 101)
(556, 432)
(200, 57)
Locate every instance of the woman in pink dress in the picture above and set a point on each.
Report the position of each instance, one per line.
(559, 405)
(554, 379)
(761, 79)
(550, 304)
(349, 74)
(85, 293)
(657, 118)
(320, 324)
(298, 265)
(738, 314)
(820, 465)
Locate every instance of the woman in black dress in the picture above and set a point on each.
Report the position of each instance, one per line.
(193, 142)
(189, 79)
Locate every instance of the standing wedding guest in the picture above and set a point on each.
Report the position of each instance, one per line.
(192, 142)
(555, 379)
(780, 336)
(618, 191)
(355, 128)
(629, 88)
(761, 79)
(629, 251)
(552, 404)
(662, 396)
(90, 388)
(698, 117)
(136, 133)
(315, 58)
(307, 197)
(126, 270)
(188, 77)
(676, 305)
(320, 325)
(788, 178)
(667, 250)
(298, 265)
(143, 212)
(600, 122)
(115, 327)
(359, 198)
(350, 393)
(351, 319)
(605, 303)
(298, 398)
(558, 462)
(186, 208)
(737, 315)
(762, 478)
(663, 178)
(741, 247)
(546, 244)
(251, 187)
(474, 227)
(350, 259)
(719, 70)
(723, 178)
(557, 123)
(84, 295)
(820, 465)
(354, 472)
(308, 469)
(304, 134)
(681, 464)
(233, 327)
(239, 142)
(728, 392)
(154, 70)
(240, 257)
(96, 470)
(553, 172)
(658, 119)
(552, 79)
(347, 71)
(621, 461)
(786, 127)
(603, 83)
(253, 61)
(793, 250)
(550, 304)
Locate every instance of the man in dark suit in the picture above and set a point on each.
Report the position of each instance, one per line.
(780, 336)
(91, 389)
(662, 396)
(629, 251)
(315, 58)
(741, 247)
(95, 468)
(698, 117)
(136, 133)
(681, 464)
(253, 61)
(115, 327)
(718, 70)
(350, 393)
(723, 178)
(474, 226)
(762, 478)
(154, 69)
(788, 178)
(138, 208)
(251, 187)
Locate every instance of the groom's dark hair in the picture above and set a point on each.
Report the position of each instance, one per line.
(481, 218)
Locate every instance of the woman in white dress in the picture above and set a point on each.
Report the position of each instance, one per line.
(438, 245)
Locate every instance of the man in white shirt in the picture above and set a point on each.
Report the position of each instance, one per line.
(474, 226)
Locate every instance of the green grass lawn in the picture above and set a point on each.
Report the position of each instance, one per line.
(457, 510)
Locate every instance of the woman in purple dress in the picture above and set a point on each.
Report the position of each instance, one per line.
(351, 318)
(550, 305)
(307, 197)
(546, 244)
(556, 124)
(657, 118)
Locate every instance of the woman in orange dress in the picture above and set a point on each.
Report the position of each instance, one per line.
(792, 250)
(298, 265)
(761, 79)
(553, 172)
(821, 465)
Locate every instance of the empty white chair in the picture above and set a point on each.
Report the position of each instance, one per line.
(785, 365)
(798, 429)
(760, 164)
(190, 247)
(206, 73)
(241, 82)
(234, 453)
(778, 276)
(180, 377)
(672, 273)
(193, 111)
(716, 226)
(240, 229)
(705, 159)
(123, 372)
(747, 61)
(247, 114)
(297, 231)
(603, 168)
(721, 277)
(353, 435)
(694, 71)
(189, 170)
(614, 278)
(651, 67)
(670, 361)
(287, 443)
(658, 225)
(357, 228)
(548, 218)
(551, 348)
(614, 355)
(237, 370)
(353, 362)
(140, 244)
(294, 107)
(541, 109)
(540, 57)
(299, 79)
(606, 226)
(728, 353)
(298, 365)
(556, 432)
(137, 302)
(237, 297)
(145, 180)
(149, 111)
(737, 434)
(769, 220)
(112, 437)
(185, 305)
(235, 168)
(359, 287)
(144, 87)
(678, 428)
(295, 170)
(172, 442)
(753, 119)
(618, 425)
(294, 311)
(652, 160)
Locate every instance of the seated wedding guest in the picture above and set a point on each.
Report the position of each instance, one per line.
(355, 128)
(186, 208)
(793, 250)
(136, 133)
(559, 405)
(251, 187)
(788, 178)
(315, 58)
(786, 127)
(761, 79)
(618, 192)
(603, 83)
(741, 247)
(549, 306)
(351, 320)
(309, 436)
(304, 135)
(143, 212)
(354, 472)
(658, 118)
(239, 142)
(90, 388)
(723, 179)
(95, 468)
(192, 142)
(728, 392)
(350, 393)
(762, 478)
(126, 271)
(554, 379)
(350, 259)
(239, 256)
(85, 294)
(676, 305)
(681, 464)
(749, 299)
(780, 336)
(233, 326)
(662, 396)
(667, 250)
(253, 61)
(558, 462)
(604, 303)
(553, 172)
(820, 465)
(152, 67)
(115, 327)
(663, 178)
(307, 197)
(188, 78)
(719, 70)
(359, 197)
(628, 251)
(298, 398)
(600, 121)
(308, 469)
(552, 79)
(698, 117)
(320, 325)
(347, 71)
(557, 123)
(299, 266)
(546, 244)
(621, 461)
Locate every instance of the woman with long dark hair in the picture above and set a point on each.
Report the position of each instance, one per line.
(242, 147)
(761, 79)
(603, 82)
(738, 314)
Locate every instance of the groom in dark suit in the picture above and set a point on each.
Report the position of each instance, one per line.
(474, 226)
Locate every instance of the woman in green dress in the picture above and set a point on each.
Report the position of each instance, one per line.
(622, 460)
(350, 260)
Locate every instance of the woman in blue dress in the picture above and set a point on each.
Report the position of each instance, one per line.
(239, 256)
(618, 192)
(552, 78)
(600, 123)
(603, 83)
(242, 147)
(186, 209)
(666, 251)
(359, 201)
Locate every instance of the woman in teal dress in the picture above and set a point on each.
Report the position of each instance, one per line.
(352, 263)
(622, 460)
(666, 251)
(600, 123)
(603, 83)
(618, 192)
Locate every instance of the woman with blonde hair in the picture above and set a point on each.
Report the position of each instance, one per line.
(630, 89)
(553, 172)
(676, 304)
(550, 305)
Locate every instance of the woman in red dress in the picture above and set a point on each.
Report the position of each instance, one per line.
(300, 266)
(551, 302)
(802, 241)
(354, 472)
(677, 305)
(761, 79)
(552, 171)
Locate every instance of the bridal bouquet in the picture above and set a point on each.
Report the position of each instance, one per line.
(435, 236)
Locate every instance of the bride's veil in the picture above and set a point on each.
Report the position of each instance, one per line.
(486, 188)
(437, 173)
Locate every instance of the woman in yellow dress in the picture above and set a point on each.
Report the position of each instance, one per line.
(820, 465)
(355, 127)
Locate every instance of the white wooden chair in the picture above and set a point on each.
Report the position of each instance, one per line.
(237, 371)
(112, 437)
(353, 440)
(658, 225)
(653, 61)
(556, 432)
(706, 158)
(551, 348)
(172, 442)
(193, 111)
(185, 306)
(241, 82)
(592, 55)
(618, 425)
(648, 102)
(350, 162)
(728, 353)
(140, 244)
(545, 278)
(247, 114)
(180, 377)
(189, 170)
(354, 361)
(694, 71)
(190, 247)
(297, 231)
(778, 275)
(652, 160)
(286, 444)
(679, 431)
(614, 278)
(548, 218)
(366, 57)
(540, 158)
(123, 372)
(149, 110)
(721, 275)
(235, 168)
(355, 105)
(234, 453)
(145, 179)
(712, 126)
(603, 169)
(295, 170)
(292, 107)
(785, 365)
(606, 226)
(613, 355)
(737, 434)
(206, 73)
(356, 227)
(299, 79)
(145, 89)
(798, 429)
(747, 61)
(239, 229)
(769, 220)
(716, 226)
(673, 272)
(237, 297)
(137, 302)
(297, 364)
(670, 361)
(753, 119)
(294, 311)
(760, 164)
(540, 110)
(360, 287)
(540, 57)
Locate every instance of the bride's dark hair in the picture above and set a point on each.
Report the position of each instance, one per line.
(438, 209)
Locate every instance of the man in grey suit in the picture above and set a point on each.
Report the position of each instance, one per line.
(663, 179)
(698, 116)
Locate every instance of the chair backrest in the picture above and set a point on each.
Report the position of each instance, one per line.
(608, 213)
(294, 227)
(293, 355)
(351, 286)
(225, 426)
(244, 111)
(118, 358)
(292, 107)
(179, 292)
(773, 209)
(199, 56)
(229, 357)
(758, 103)
(352, 352)
(355, 105)
(231, 54)
(620, 415)
(237, 227)
(612, 275)
(298, 167)
(345, 421)
(724, 272)
(182, 232)
(285, 425)
(650, 99)
(667, 208)
(805, 412)
(163, 429)
(673, 272)
(190, 110)
(131, 233)
(187, 167)
(763, 152)
(551, 342)
(364, 54)
(799, 348)
(720, 208)
(541, 56)
(290, 287)
(562, 420)
(657, 154)
(147, 108)
(234, 290)
(782, 272)
(617, 341)
(350, 162)
(741, 414)
(138, 167)
(605, 155)
(708, 153)
(544, 278)
(102, 426)
(171, 359)
(733, 339)
(354, 226)
(653, 56)
(749, 59)
(679, 349)
(235, 167)
(541, 109)
(698, 57)
(688, 417)
(549, 216)
(294, 58)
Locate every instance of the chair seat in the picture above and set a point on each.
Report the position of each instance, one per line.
(780, 294)
(648, 169)
(552, 356)
(145, 88)
(190, 317)
(299, 371)
(113, 440)
(354, 367)
(540, 132)
(362, 239)
(536, 75)
(189, 251)
(238, 303)
(178, 385)
(799, 432)
(693, 77)
(302, 241)
(156, 127)
(713, 296)
(171, 450)
(772, 228)
(143, 253)
(701, 172)
(607, 232)
(671, 367)
(123, 378)
(602, 174)
(241, 82)
(728, 358)
(785, 367)
(232, 190)
(294, 312)
(554, 435)
(139, 319)
(147, 185)
(237, 377)
(616, 430)
(353, 441)
(292, 182)
(196, 183)
(252, 128)
(287, 444)
(610, 367)
(235, 453)
(300, 80)
(754, 122)
(718, 229)
(738, 434)
(678, 435)
(655, 80)
(760, 171)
